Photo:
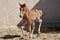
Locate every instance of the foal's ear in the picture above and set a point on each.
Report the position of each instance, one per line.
(23, 5)
(20, 4)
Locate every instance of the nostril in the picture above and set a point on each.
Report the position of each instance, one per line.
(20, 16)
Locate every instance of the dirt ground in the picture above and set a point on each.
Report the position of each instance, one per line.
(13, 33)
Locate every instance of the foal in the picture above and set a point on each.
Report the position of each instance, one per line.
(29, 17)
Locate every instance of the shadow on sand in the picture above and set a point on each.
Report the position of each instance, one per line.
(10, 36)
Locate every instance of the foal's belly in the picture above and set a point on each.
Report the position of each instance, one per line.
(33, 18)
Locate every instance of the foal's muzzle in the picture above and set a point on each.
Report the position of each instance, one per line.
(20, 16)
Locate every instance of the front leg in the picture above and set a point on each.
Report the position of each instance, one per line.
(22, 29)
(32, 30)
(22, 26)
(29, 31)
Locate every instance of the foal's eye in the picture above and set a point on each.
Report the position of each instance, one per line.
(21, 9)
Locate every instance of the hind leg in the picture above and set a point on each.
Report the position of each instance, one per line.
(40, 22)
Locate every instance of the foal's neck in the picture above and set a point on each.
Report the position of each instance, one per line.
(26, 9)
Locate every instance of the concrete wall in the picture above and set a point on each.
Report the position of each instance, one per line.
(9, 11)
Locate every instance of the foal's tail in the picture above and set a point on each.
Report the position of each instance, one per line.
(40, 12)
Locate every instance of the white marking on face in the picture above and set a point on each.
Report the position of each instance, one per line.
(21, 12)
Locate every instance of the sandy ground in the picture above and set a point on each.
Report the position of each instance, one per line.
(13, 33)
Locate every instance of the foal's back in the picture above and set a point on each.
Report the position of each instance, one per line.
(35, 14)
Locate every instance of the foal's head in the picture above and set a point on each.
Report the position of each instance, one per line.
(23, 9)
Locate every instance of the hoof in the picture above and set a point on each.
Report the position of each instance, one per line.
(38, 35)
(25, 35)
(32, 37)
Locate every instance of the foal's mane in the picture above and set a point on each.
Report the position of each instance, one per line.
(26, 9)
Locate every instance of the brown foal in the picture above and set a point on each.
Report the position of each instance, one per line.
(29, 17)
